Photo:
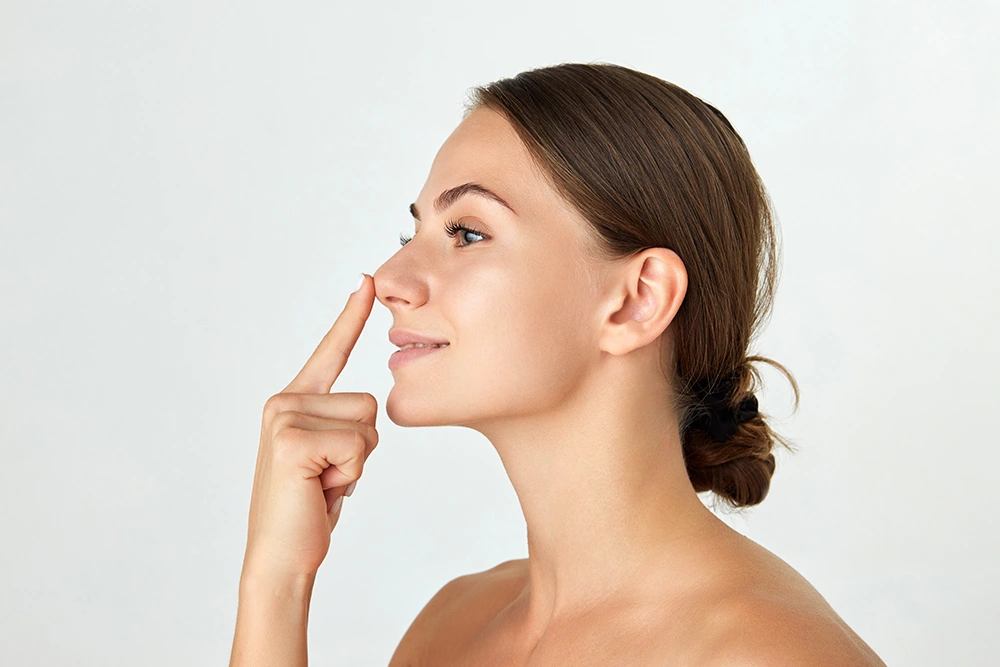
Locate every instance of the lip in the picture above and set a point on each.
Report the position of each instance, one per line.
(401, 337)
(401, 357)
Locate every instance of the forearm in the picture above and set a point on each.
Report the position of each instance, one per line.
(271, 621)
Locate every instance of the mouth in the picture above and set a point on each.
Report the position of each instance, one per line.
(408, 353)
(421, 345)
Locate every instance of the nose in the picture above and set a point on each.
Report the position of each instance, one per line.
(397, 283)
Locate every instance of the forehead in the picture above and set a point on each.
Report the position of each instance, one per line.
(485, 149)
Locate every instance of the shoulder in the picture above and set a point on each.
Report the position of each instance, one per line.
(762, 611)
(752, 630)
(452, 608)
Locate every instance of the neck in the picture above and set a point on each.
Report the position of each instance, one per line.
(605, 494)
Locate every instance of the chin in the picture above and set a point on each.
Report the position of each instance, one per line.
(418, 411)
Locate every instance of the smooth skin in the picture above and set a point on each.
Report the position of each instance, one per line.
(554, 356)
(313, 446)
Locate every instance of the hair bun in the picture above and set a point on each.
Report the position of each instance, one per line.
(721, 424)
(714, 412)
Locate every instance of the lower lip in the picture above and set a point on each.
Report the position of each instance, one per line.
(404, 356)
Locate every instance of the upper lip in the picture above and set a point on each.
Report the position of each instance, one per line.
(401, 337)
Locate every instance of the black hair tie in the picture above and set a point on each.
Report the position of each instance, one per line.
(714, 415)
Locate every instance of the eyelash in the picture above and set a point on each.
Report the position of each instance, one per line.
(452, 228)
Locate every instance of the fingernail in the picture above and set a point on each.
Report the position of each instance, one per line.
(336, 504)
(350, 488)
(361, 281)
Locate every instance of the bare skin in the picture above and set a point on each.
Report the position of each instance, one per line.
(313, 446)
(555, 357)
(760, 613)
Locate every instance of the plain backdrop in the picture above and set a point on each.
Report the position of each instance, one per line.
(188, 191)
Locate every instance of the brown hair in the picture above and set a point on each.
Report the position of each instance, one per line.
(650, 165)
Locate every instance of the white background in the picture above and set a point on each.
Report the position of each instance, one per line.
(189, 189)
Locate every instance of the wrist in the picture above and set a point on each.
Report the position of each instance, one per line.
(272, 619)
(260, 581)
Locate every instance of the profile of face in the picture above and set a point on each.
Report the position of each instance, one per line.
(517, 299)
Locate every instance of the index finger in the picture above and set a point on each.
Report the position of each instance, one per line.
(328, 360)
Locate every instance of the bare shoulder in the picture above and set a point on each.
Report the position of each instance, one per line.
(774, 634)
(775, 617)
(455, 611)
(757, 610)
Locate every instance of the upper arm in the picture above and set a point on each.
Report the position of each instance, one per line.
(413, 647)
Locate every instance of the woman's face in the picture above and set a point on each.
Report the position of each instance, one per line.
(515, 300)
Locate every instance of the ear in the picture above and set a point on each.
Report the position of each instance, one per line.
(643, 300)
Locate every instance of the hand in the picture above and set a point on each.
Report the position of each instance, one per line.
(313, 444)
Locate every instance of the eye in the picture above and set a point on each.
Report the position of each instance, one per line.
(452, 229)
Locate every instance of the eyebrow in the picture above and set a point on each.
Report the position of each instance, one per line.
(449, 197)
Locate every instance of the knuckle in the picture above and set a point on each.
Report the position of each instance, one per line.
(277, 404)
(369, 404)
(282, 419)
(282, 422)
(353, 442)
(358, 444)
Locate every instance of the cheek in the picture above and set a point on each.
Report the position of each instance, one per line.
(522, 336)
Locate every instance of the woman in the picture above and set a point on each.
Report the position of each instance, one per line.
(593, 253)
